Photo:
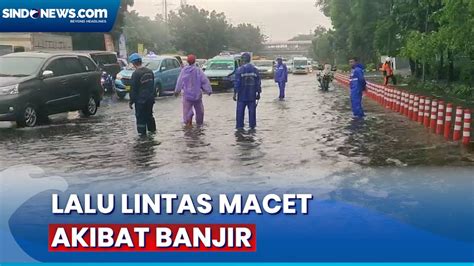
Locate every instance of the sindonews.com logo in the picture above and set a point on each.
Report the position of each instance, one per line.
(54, 13)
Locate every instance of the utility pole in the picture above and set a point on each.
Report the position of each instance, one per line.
(165, 10)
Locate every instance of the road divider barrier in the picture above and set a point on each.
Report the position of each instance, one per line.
(458, 124)
(466, 139)
(426, 120)
(434, 112)
(431, 113)
(421, 111)
(440, 120)
(448, 121)
(416, 102)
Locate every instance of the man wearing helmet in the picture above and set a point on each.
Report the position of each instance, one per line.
(247, 89)
(142, 95)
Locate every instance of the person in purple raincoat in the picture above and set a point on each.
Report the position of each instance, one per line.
(192, 82)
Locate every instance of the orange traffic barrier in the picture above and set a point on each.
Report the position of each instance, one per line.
(458, 124)
(411, 102)
(440, 118)
(421, 111)
(466, 135)
(416, 103)
(426, 120)
(434, 112)
(398, 96)
(448, 121)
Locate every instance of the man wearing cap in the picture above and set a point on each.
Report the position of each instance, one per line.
(142, 95)
(281, 77)
(192, 82)
(247, 89)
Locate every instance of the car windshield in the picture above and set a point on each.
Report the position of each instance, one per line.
(300, 63)
(263, 63)
(19, 66)
(221, 65)
(152, 64)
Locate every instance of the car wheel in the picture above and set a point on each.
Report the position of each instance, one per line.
(159, 91)
(91, 108)
(121, 95)
(28, 118)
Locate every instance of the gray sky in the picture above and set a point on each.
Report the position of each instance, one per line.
(279, 19)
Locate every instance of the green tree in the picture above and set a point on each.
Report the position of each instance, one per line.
(246, 37)
(153, 34)
(199, 31)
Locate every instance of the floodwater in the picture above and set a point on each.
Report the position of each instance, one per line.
(309, 142)
(309, 130)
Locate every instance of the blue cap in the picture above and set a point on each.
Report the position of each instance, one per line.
(246, 57)
(135, 57)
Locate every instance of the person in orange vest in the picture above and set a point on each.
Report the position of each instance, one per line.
(388, 72)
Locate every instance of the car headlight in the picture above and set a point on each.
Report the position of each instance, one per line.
(119, 77)
(9, 90)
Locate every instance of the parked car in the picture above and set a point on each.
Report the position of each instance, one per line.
(34, 85)
(165, 68)
(201, 62)
(221, 71)
(265, 68)
(107, 61)
(290, 66)
(179, 58)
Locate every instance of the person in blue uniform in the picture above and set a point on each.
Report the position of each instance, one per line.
(142, 95)
(281, 77)
(357, 87)
(247, 89)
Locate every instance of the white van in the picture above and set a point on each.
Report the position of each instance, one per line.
(301, 65)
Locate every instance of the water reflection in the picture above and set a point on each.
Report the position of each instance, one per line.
(144, 151)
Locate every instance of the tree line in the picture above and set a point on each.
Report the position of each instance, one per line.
(437, 36)
(187, 30)
(191, 30)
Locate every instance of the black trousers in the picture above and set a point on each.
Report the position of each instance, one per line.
(144, 115)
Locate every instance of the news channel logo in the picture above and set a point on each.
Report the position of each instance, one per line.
(59, 16)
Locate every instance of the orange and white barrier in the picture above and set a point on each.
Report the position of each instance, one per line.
(458, 124)
(440, 118)
(448, 121)
(431, 114)
(434, 112)
(411, 102)
(466, 131)
(416, 103)
(426, 120)
(421, 111)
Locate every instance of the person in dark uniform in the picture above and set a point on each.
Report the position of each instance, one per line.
(247, 89)
(142, 95)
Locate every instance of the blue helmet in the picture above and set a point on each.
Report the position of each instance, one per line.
(246, 57)
(135, 57)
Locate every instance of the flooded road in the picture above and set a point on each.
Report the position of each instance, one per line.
(307, 143)
(309, 130)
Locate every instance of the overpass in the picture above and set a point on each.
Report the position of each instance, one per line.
(286, 49)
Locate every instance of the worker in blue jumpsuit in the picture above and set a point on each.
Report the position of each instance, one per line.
(281, 77)
(247, 89)
(357, 87)
(142, 95)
